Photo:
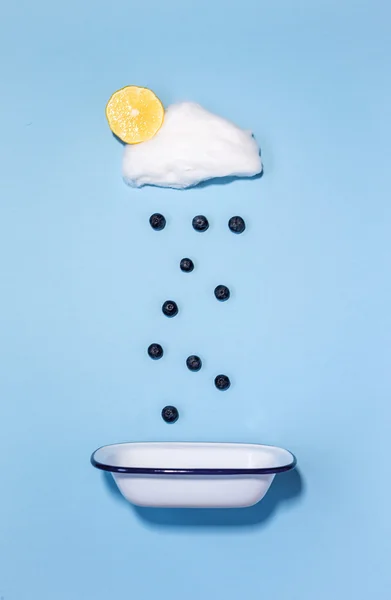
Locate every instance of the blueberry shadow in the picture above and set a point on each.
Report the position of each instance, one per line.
(286, 488)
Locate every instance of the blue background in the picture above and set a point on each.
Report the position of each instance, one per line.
(305, 337)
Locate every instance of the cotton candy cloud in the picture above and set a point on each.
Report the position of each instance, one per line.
(193, 145)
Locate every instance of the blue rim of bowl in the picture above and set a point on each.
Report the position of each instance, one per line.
(153, 471)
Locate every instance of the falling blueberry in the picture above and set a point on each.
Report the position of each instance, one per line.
(222, 293)
(222, 382)
(170, 308)
(155, 351)
(194, 363)
(170, 414)
(157, 221)
(200, 223)
(186, 265)
(236, 224)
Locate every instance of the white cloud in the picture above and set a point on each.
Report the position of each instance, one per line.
(193, 145)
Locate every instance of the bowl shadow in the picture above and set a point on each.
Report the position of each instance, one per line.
(286, 488)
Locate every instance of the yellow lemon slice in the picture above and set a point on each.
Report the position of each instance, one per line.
(134, 114)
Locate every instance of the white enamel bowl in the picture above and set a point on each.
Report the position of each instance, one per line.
(193, 475)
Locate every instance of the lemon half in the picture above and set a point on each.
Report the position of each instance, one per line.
(135, 114)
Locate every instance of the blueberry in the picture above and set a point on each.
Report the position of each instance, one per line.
(186, 265)
(194, 363)
(236, 224)
(170, 414)
(157, 221)
(200, 223)
(155, 351)
(222, 293)
(170, 308)
(222, 382)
